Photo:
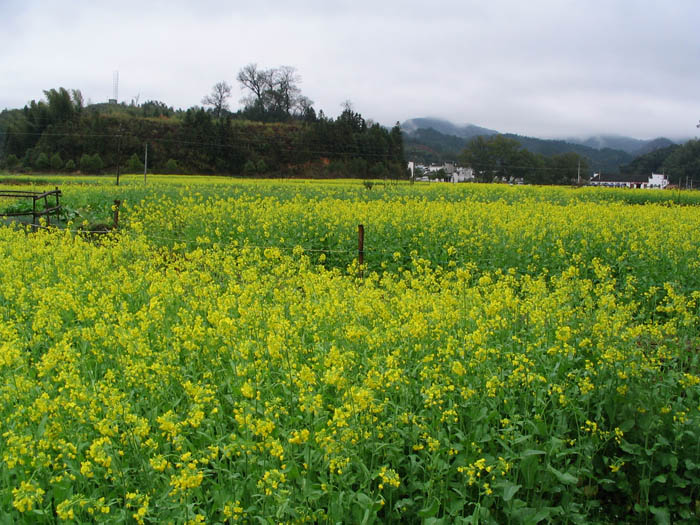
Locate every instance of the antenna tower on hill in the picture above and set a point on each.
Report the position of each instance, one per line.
(115, 88)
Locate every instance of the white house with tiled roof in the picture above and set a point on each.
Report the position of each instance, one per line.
(655, 181)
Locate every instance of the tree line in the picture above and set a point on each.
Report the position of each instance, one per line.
(679, 162)
(277, 132)
(503, 159)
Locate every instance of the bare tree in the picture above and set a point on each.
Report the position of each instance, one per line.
(305, 108)
(273, 93)
(258, 81)
(218, 98)
(285, 89)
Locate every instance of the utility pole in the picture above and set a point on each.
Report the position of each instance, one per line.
(119, 153)
(145, 163)
(579, 172)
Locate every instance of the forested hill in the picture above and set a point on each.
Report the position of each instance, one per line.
(60, 134)
(606, 159)
(431, 146)
(680, 163)
(630, 145)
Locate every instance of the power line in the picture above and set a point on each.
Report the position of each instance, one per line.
(296, 143)
(251, 139)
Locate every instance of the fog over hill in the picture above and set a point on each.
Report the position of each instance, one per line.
(438, 139)
(445, 127)
(628, 144)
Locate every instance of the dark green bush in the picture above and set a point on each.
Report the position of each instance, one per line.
(56, 161)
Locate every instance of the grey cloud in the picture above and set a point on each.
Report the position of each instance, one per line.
(548, 68)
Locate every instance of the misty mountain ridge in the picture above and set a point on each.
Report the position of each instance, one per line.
(436, 140)
(628, 144)
(445, 127)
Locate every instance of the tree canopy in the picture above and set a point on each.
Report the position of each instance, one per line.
(273, 94)
(680, 163)
(500, 158)
(287, 139)
(218, 98)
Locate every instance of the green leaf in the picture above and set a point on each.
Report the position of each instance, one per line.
(431, 510)
(363, 499)
(627, 425)
(673, 460)
(542, 514)
(661, 478)
(282, 508)
(455, 506)
(630, 448)
(531, 452)
(509, 490)
(564, 477)
(661, 515)
(403, 503)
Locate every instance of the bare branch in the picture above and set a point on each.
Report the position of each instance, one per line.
(218, 98)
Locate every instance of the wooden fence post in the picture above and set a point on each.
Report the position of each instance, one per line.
(360, 246)
(117, 203)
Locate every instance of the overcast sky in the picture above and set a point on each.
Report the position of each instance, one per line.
(547, 68)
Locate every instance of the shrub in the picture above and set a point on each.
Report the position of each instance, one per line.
(171, 166)
(97, 163)
(11, 162)
(42, 162)
(91, 163)
(85, 163)
(249, 167)
(56, 161)
(134, 164)
(378, 171)
(70, 165)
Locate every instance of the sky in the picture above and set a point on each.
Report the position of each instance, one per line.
(544, 68)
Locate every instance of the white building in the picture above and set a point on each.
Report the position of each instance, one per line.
(463, 175)
(655, 181)
(452, 172)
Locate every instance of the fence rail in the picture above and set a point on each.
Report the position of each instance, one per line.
(47, 211)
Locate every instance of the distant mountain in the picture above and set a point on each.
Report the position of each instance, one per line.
(651, 162)
(445, 127)
(627, 144)
(604, 159)
(656, 144)
(431, 145)
(428, 146)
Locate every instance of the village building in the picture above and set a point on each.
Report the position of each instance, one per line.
(449, 170)
(655, 181)
(463, 175)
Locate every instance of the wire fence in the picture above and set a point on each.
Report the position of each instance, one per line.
(373, 256)
(284, 144)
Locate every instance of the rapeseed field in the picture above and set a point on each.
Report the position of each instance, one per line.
(504, 355)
